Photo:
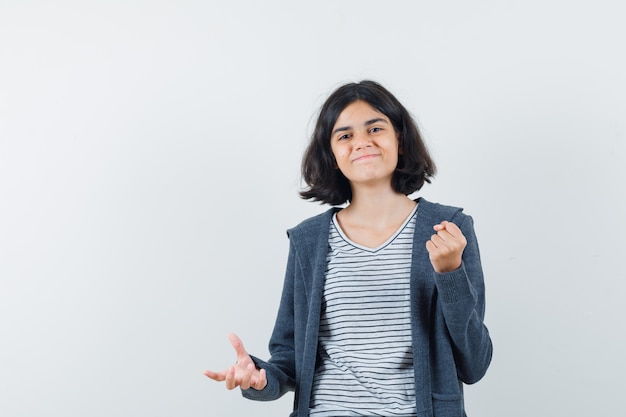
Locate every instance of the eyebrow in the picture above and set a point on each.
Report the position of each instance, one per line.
(367, 123)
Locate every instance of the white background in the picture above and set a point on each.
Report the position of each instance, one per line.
(149, 167)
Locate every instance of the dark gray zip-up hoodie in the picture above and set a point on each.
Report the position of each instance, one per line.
(451, 344)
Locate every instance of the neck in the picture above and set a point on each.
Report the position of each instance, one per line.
(378, 205)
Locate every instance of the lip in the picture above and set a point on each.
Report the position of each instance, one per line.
(365, 157)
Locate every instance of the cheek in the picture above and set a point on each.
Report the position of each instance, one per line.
(338, 153)
(342, 158)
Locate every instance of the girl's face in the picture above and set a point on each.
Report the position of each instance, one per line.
(365, 145)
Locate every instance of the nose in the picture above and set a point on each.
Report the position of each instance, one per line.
(361, 140)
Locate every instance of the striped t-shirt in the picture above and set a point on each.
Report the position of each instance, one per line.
(365, 357)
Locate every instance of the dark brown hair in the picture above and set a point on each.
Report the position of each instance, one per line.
(326, 183)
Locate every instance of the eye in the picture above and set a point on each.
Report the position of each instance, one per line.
(375, 129)
(344, 136)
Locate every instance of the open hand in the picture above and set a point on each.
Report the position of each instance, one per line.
(243, 373)
(445, 248)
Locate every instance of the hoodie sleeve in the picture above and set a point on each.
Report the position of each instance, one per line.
(462, 294)
(280, 368)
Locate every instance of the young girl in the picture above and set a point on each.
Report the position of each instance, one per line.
(383, 301)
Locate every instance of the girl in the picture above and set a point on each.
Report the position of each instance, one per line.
(383, 301)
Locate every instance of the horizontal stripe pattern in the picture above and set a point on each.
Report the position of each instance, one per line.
(365, 365)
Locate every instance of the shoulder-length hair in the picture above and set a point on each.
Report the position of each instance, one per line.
(326, 183)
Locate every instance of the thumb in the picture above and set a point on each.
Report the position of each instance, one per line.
(237, 345)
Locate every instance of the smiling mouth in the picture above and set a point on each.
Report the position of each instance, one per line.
(365, 157)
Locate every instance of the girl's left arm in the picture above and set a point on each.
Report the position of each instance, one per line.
(462, 295)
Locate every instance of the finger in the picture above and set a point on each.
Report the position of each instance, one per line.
(437, 247)
(442, 232)
(439, 241)
(453, 229)
(430, 246)
(231, 383)
(247, 377)
(216, 376)
(453, 238)
(450, 226)
(440, 226)
(445, 227)
(261, 380)
(237, 345)
(445, 238)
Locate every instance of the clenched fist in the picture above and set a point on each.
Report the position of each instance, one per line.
(445, 248)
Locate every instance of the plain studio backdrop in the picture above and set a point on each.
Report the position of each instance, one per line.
(149, 167)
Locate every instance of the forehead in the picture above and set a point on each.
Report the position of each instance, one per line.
(357, 113)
